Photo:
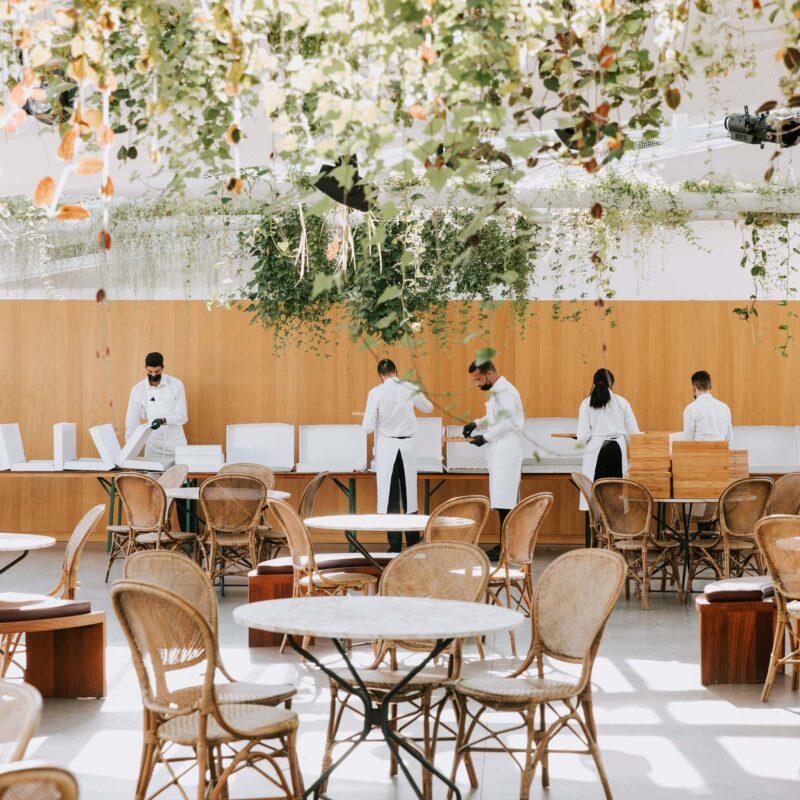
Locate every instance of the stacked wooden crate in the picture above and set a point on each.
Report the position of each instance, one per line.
(701, 469)
(738, 464)
(649, 462)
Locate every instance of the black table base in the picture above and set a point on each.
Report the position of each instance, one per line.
(14, 562)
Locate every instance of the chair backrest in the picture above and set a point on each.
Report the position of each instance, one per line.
(309, 496)
(144, 501)
(584, 486)
(522, 525)
(786, 495)
(20, 712)
(472, 507)
(232, 503)
(169, 639)
(571, 603)
(298, 538)
(174, 476)
(72, 555)
(742, 504)
(626, 507)
(264, 474)
(778, 539)
(37, 780)
(177, 573)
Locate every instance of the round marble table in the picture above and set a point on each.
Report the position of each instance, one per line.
(16, 542)
(350, 523)
(376, 617)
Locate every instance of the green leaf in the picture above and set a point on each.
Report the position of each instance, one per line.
(438, 177)
(484, 354)
(389, 293)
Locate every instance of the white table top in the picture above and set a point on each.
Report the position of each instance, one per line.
(13, 542)
(376, 617)
(686, 500)
(382, 522)
(193, 493)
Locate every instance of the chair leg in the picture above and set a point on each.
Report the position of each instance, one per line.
(777, 642)
(527, 771)
(147, 762)
(594, 750)
(294, 768)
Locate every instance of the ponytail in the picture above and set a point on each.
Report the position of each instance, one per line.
(601, 388)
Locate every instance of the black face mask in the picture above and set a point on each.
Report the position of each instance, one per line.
(486, 387)
(154, 379)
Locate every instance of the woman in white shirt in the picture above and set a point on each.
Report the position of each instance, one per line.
(604, 420)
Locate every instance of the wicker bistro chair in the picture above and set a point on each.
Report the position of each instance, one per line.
(786, 496)
(20, 713)
(10, 643)
(571, 604)
(179, 574)
(307, 579)
(584, 486)
(170, 639)
(626, 508)
(441, 570)
(37, 780)
(474, 507)
(732, 550)
(513, 577)
(232, 507)
(778, 540)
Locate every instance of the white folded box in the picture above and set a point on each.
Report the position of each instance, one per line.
(332, 448)
(102, 464)
(267, 443)
(108, 446)
(63, 450)
(200, 457)
(11, 450)
(463, 456)
(427, 446)
(542, 453)
(770, 448)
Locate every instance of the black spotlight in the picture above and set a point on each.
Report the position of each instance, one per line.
(354, 197)
(763, 128)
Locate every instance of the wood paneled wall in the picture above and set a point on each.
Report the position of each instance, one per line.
(75, 361)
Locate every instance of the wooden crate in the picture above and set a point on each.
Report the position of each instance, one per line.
(649, 452)
(658, 482)
(738, 464)
(700, 469)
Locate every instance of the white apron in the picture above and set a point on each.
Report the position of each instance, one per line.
(161, 444)
(504, 460)
(386, 449)
(590, 454)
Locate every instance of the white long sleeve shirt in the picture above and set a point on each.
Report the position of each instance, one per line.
(504, 413)
(169, 395)
(707, 420)
(615, 418)
(390, 408)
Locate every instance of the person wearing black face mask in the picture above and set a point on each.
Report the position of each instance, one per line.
(160, 399)
(501, 430)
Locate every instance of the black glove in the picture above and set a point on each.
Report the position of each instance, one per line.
(468, 428)
(478, 441)
(157, 423)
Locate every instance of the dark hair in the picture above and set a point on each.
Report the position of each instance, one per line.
(601, 388)
(701, 380)
(154, 360)
(486, 366)
(386, 367)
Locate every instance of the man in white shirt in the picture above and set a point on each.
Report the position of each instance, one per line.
(159, 399)
(706, 419)
(390, 416)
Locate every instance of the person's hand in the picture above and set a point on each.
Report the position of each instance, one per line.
(157, 423)
(468, 428)
(478, 441)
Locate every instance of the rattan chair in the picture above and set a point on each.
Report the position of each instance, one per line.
(169, 638)
(786, 495)
(584, 486)
(472, 507)
(512, 577)
(232, 507)
(37, 780)
(10, 643)
(626, 508)
(20, 713)
(307, 579)
(778, 540)
(732, 551)
(571, 604)
(441, 570)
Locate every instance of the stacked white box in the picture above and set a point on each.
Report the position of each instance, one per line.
(463, 456)
(428, 444)
(200, 457)
(541, 452)
(770, 448)
(63, 450)
(267, 443)
(332, 448)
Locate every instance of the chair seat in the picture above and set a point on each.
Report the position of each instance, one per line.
(499, 575)
(241, 692)
(283, 565)
(515, 690)
(254, 720)
(636, 544)
(388, 678)
(265, 532)
(331, 579)
(150, 538)
(122, 530)
(233, 539)
(20, 607)
(733, 544)
(749, 587)
(793, 608)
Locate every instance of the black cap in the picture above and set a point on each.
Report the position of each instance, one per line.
(154, 360)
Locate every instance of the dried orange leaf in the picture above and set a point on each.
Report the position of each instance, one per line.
(104, 240)
(596, 211)
(605, 58)
(417, 112)
(234, 134)
(89, 165)
(68, 212)
(235, 185)
(66, 150)
(45, 192)
(105, 135)
(107, 189)
(427, 54)
(17, 95)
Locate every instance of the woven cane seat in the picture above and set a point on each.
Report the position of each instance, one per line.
(626, 545)
(328, 579)
(266, 532)
(240, 692)
(499, 576)
(389, 678)
(174, 536)
(733, 544)
(515, 690)
(122, 530)
(793, 608)
(254, 720)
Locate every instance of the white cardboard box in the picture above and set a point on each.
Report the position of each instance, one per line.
(770, 448)
(543, 453)
(428, 444)
(128, 456)
(332, 448)
(11, 449)
(63, 450)
(267, 443)
(463, 456)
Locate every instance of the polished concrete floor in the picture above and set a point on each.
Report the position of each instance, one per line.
(662, 734)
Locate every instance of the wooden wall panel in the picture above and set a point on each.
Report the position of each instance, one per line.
(76, 361)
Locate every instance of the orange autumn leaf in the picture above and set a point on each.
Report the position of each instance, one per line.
(608, 5)
(417, 112)
(605, 58)
(427, 54)
(105, 135)
(107, 189)
(603, 110)
(89, 165)
(66, 150)
(779, 53)
(44, 193)
(614, 144)
(235, 185)
(104, 240)
(69, 212)
(17, 95)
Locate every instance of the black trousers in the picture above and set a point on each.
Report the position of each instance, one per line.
(609, 461)
(398, 504)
